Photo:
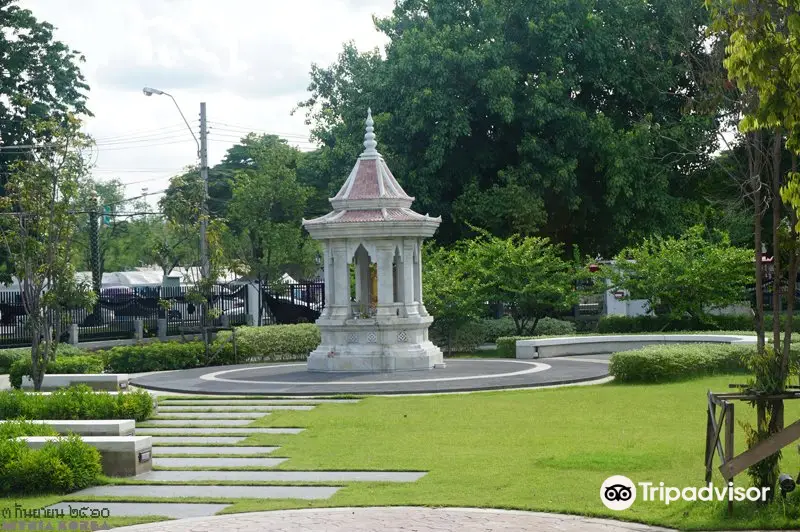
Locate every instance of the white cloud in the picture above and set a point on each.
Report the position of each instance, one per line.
(248, 59)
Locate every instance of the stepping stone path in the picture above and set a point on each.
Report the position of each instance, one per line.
(211, 431)
(195, 441)
(232, 408)
(196, 423)
(216, 451)
(211, 415)
(217, 462)
(207, 440)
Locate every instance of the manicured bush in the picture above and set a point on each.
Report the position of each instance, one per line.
(69, 364)
(553, 327)
(496, 328)
(9, 356)
(655, 324)
(156, 356)
(76, 402)
(663, 363)
(19, 427)
(507, 345)
(465, 338)
(63, 466)
(269, 343)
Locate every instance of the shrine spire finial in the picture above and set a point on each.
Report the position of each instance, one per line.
(369, 137)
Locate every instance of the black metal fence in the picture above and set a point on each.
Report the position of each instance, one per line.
(292, 303)
(117, 310)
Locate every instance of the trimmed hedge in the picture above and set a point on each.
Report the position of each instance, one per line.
(664, 363)
(554, 327)
(63, 466)
(69, 365)
(156, 356)
(507, 345)
(271, 343)
(76, 402)
(655, 324)
(257, 344)
(9, 356)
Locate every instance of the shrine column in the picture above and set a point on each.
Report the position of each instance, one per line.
(418, 279)
(341, 280)
(328, 279)
(385, 281)
(409, 300)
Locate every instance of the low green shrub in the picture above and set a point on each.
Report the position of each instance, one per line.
(497, 328)
(69, 364)
(19, 427)
(156, 356)
(9, 356)
(76, 402)
(269, 343)
(63, 466)
(663, 363)
(553, 327)
(646, 324)
(507, 345)
(465, 339)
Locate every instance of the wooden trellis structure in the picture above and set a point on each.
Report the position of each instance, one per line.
(720, 440)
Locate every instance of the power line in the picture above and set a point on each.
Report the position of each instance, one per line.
(142, 133)
(256, 130)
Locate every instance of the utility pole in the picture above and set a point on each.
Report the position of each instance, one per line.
(94, 255)
(204, 262)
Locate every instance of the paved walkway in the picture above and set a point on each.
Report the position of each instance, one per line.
(459, 375)
(390, 519)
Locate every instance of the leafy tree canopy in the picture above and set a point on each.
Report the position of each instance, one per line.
(560, 119)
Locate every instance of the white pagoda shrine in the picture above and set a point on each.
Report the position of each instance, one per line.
(373, 236)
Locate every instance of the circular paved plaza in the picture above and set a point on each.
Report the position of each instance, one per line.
(459, 375)
(391, 519)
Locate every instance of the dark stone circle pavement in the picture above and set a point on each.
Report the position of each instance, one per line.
(289, 379)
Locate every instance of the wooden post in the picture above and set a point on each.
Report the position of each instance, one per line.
(710, 435)
(729, 427)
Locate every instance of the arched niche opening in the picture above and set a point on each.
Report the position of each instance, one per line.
(365, 290)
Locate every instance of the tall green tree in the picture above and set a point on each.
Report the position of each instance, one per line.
(37, 228)
(265, 213)
(559, 119)
(685, 276)
(527, 275)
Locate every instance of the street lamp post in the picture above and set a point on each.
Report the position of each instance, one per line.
(202, 153)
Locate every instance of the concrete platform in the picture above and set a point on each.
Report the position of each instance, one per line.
(283, 476)
(213, 431)
(294, 379)
(120, 456)
(90, 427)
(210, 492)
(201, 440)
(592, 345)
(215, 462)
(218, 450)
(96, 381)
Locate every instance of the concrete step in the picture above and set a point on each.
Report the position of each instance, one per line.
(218, 450)
(210, 492)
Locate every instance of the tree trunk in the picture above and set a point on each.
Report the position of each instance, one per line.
(754, 159)
(777, 277)
(791, 285)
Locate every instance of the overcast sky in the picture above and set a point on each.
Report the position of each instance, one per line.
(247, 59)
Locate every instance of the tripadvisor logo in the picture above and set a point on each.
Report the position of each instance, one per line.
(619, 493)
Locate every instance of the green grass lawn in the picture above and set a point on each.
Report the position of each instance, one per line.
(544, 450)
